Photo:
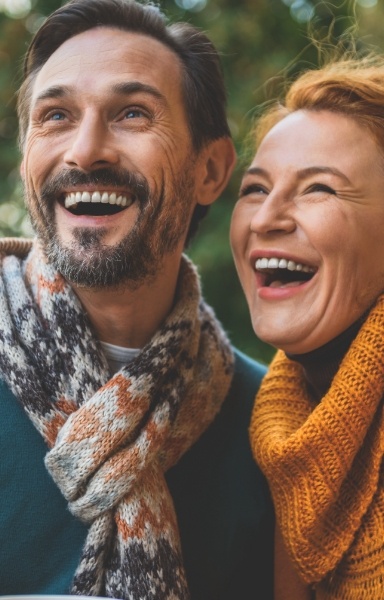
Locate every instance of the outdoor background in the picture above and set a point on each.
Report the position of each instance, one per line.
(260, 41)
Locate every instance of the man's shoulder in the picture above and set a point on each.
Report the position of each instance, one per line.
(5, 392)
(247, 378)
(248, 372)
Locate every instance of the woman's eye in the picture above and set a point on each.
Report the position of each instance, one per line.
(321, 187)
(253, 188)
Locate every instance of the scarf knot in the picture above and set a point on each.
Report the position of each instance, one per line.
(111, 439)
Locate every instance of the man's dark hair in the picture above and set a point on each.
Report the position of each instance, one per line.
(202, 81)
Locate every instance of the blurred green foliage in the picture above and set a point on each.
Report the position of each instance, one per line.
(260, 41)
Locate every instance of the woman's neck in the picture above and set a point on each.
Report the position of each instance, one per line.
(321, 365)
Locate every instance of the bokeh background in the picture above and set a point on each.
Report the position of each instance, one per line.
(262, 42)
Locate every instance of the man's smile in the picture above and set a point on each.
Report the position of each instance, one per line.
(97, 203)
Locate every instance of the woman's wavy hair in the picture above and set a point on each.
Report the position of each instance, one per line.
(350, 85)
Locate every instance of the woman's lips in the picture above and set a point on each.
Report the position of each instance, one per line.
(281, 274)
(274, 262)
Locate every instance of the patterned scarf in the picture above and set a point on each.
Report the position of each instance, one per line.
(325, 467)
(112, 439)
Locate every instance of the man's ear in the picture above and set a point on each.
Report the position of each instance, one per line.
(216, 162)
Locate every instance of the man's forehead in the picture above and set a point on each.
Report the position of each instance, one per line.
(104, 53)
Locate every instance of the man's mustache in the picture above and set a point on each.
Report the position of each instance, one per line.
(105, 177)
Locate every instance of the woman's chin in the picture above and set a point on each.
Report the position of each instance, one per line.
(286, 335)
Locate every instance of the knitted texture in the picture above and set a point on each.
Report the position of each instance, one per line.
(112, 439)
(325, 468)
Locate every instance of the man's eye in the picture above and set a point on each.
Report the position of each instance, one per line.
(134, 113)
(55, 116)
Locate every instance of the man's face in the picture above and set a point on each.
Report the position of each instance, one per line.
(108, 165)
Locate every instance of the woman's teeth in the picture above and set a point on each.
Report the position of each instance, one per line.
(282, 263)
(73, 199)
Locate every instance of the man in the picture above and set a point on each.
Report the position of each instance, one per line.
(108, 353)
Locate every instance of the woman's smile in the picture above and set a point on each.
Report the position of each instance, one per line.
(277, 272)
(309, 219)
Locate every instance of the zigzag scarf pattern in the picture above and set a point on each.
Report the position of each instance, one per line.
(325, 467)
(112, 439)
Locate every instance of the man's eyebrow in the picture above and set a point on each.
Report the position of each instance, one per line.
(130, 87)
(55, 91)
(122, 89)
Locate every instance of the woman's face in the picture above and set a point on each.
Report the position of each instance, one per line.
(308, 230)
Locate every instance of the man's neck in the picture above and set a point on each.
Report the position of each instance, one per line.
(130, 318)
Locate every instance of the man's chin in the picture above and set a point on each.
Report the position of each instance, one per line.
(87, 263)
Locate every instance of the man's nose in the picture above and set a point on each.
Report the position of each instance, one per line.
(273, 215)
(91, 145)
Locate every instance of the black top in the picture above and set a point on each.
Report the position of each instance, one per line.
(321, 365)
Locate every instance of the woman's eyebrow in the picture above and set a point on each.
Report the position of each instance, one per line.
(303, 173)
(316, 170)
(256, 171)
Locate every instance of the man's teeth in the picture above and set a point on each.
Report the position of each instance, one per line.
(73, 199)
(282, 263)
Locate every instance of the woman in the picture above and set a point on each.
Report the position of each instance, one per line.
(308, 240)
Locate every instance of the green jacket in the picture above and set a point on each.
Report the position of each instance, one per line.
(221, 498)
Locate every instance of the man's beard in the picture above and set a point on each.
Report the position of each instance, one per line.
(162, 221)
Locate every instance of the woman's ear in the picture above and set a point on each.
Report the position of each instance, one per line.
(216, 163)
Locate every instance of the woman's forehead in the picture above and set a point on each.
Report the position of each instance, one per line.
(307, 138)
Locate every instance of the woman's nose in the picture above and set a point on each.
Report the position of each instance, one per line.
(91, 146)
(274, 215)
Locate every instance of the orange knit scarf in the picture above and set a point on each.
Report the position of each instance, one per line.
(325, 467)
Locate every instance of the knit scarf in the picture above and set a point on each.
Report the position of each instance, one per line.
(325, 466)
(112, 439)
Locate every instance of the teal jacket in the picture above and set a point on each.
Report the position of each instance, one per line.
(221, 499)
